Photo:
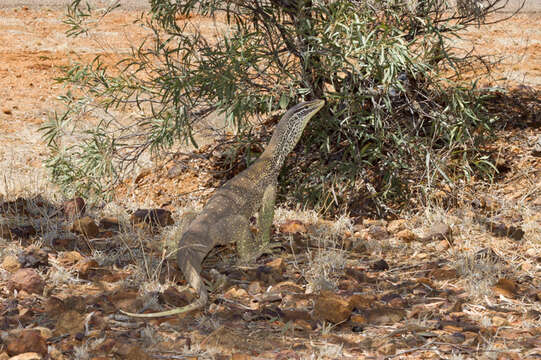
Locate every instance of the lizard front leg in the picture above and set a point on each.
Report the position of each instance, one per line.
(265, 219)
(251, 248)
(242, 236)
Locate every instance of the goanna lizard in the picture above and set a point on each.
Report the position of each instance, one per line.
(226, 216)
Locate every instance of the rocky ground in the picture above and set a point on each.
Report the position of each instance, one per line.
(459, 278)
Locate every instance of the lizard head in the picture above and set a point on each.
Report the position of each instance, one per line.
(290, 128)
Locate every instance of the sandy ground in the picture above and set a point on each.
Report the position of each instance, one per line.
(33, 48)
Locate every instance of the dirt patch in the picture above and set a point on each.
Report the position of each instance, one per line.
(33, 49)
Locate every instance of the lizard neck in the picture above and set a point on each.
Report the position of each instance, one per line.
(284, 139)
(287, 134)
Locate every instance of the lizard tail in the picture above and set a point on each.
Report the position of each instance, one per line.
(195, 280)
(199, 303)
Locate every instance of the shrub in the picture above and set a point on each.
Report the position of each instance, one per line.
(398, 117)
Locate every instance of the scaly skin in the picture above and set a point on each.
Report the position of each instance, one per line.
(226, 216)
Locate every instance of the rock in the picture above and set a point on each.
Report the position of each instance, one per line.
(160, 217)
(74, 208)
(33, 257)
(240, 356)
(287, 287)
(332, 307)
(384, 316)
(387, 349)
(132, 352)
(396, 225)
(498, 227)
(277, 265)
(356, 274)
(23, 231)
(536, 151)
(85, 226)
(28, 280)
(269, 273)
(359, 301)
(69, 322)
(63, 241)
(7, 111)
(380, 265)
(27, 356)
(178, 298)
(374, 222)
(239, 294)
(10, 264)
(438, 231)
(292, 227)
(109, 223)
(25, 341)
(442, 246)
(69, 258)
(175, 171)
(505, 287)
(406, 235)
(355, 244)
(378, 232)
(443, 274)
(85, 267)
(296, 314)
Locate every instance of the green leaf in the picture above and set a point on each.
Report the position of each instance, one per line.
(284, 101)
